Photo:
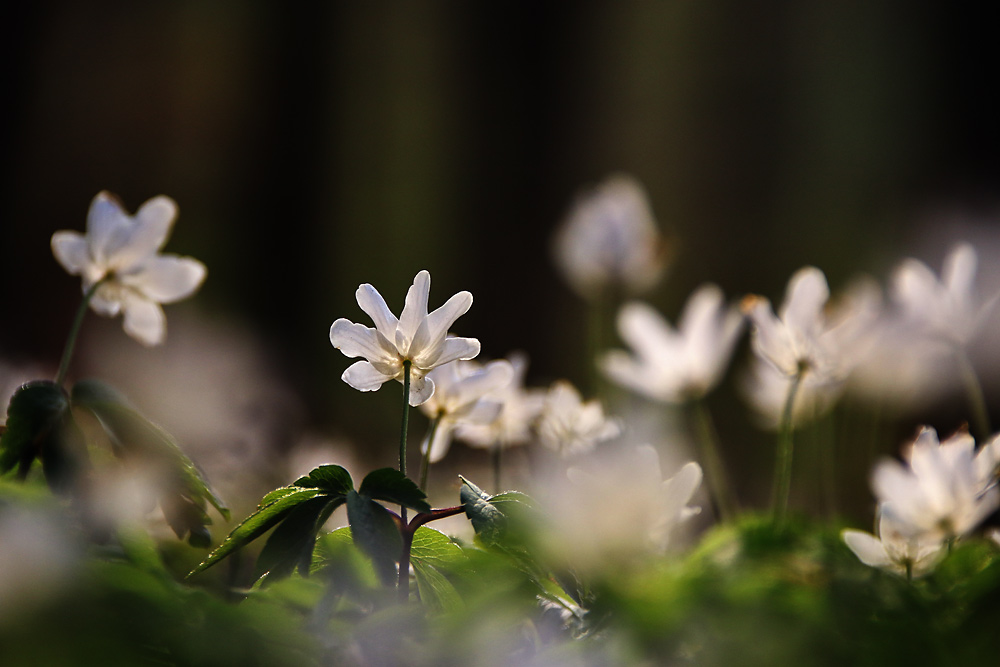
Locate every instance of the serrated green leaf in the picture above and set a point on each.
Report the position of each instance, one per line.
(257, 524)
(331, 478)
(132, 434)
(393, 486)
(291, 544)
(432, 546)
(376, 534)
(433, 555)
(488, 521)
(435, 589)
(40, 425)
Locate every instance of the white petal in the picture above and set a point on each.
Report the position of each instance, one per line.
(357, 340)
(431, 333)
(107, 300)
(645, 330)
(414, 310)
(364, 377)
(441, 443)
(70, 249)
(148, 232)
(866, 547)
(144, 320)
(806, 295)
(421, 390)
(375, 307)
(959, 271)
(451, 349)
(108, 227)
(167, 278)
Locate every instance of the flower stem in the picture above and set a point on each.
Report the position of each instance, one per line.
(977, 400)
(405, 426)
(783, 461)
(75, 331)
(425, 460)
(726, 505)
(407, 531)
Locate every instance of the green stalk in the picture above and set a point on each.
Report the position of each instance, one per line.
(977, 400)
(74, 331)
(425, 461)
(403, 429)
(718, 481)
(783, 461)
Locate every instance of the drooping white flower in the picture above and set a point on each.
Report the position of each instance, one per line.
(610, 237)
(895, 548)
(462, 391)
(122, 253)
(570, 426)
(417, 337)
(617, 508)
(945, 489)
(944, 308)
(675, 365)
(521, 408)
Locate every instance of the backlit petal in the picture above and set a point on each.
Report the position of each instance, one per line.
(149, 231)
(144, 320)
(70, 249)
(364, 377)
(375, 307)
(167, 278)
(108, 227)
(414, 310)
(357, 340)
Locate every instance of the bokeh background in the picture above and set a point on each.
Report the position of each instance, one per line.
(315, 146)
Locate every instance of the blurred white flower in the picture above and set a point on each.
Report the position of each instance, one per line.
(617, 509)
(766, 390)
(610, 237)
(123, 252)
(416, 337)
(570, 426)
(521, 408)
(675, 365)
(944, 308)
(945, 489)
(895, 548)
(462, 392)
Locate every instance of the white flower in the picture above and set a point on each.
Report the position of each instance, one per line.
(945, 490)
(945, 308)
(568, 425)
(673, 366)
(416, 337)
(461, 396)
(617, 508)
(521, 408)
(610, 237)
(766, 390)
(895, 548)
(121, 252)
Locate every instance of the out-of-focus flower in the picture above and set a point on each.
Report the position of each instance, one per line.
(122, 253)
(521, 408)
(675, 365)
(568, 425)
(945, 489)
(617, 509)
(610, 237)
(895, 548)
(766, 390)
(462, 392)
(416, 337)
(945, 308)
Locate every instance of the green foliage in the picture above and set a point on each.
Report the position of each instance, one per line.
(393, 486)
(434, 556)
(40, 425)
(376, 534)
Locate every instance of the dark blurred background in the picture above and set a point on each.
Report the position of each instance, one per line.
(315, 146)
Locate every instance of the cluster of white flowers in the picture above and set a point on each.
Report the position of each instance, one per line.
(941, 494)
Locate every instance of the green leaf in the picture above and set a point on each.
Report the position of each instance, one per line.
(340, 560)
(257, 524)
(393, 486)
(487, 520)
(40, 425)
(376, 534)
(433, 555)
(134, 435)
(291, 544)
(331, 478)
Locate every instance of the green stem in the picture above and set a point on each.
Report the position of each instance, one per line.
(425, 461)
(75, 331)
(718, 481)
(977, 400)
(407, 531)
(405, 426)
(783, 461)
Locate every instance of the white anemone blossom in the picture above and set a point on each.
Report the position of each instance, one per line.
(417, 337)
(944, 308)
(895, 548)
(610, 237)
(121, 252)
(945, 490)
(520, 411)
(675, 365)
(617, 508)
(462, 391)
(568, 425)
